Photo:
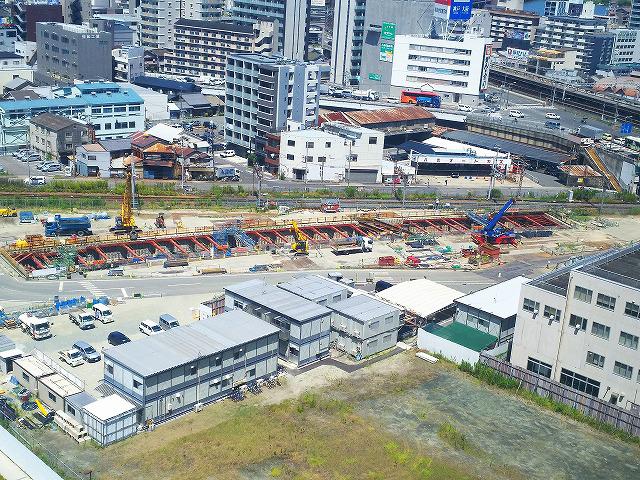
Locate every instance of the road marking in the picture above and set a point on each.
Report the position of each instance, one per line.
(61, 286)
(183, 284)
(124, 293)
(93, 289)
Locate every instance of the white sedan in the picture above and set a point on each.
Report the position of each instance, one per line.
(552, 116)
(516, 114)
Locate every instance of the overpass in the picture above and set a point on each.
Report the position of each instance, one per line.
(614, 107)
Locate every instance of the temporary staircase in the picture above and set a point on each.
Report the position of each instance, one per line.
(595, 158)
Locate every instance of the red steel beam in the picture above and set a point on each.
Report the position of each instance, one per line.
(178, 246)
(432, 224)
(455, 224)
(131, 252)
(262, 237)
(101, 253)
(338, 231)
(81, 260)
(534, 221)
(277, 234)
(37, 262)
(418, 226)
(196, 242)
(158, 247)
(355, 227)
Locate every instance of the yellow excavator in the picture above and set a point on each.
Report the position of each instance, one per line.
(125, 223)
(300, 245)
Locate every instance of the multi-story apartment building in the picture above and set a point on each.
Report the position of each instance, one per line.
(304, 325)
(570, 8)
(355, 61)
(72, 52)
(27, 13)
(337, 152)
(124, 28)
(634, 17)
(158, 18)
(76, 12)
(56, 137)
(626, 46)
(201, 47)
(512, 24)
(579, 325)
(263, 93)
(569, 32)
(128, 63)
(8, 36)
(168, 374)
(290, 18)
(456, 68)
(112, 112)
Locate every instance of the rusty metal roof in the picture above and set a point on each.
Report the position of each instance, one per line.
(389, 115)
(579, 170)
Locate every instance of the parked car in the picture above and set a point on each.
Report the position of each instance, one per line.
(88, 352)
(117, 338)
(227, 153)
(34, 181)
(552, 116)
(149, 327)
(115, 272)
(72, 357)
(464, 108)
(52, 167)
(516, 114)
(607, 137)
(167, 321)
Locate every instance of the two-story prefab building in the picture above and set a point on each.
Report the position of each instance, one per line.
(580, 326)
(171, 372)
(304, 325)
(321, 290)
(363, 325)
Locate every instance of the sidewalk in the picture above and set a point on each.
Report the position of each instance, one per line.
(17, 462)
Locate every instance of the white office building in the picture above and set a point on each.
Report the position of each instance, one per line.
(626, 46)
(457, 68)
(337, 152)
(128, 63)
(579, 325)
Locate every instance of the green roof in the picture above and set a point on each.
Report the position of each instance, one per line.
(466, 336)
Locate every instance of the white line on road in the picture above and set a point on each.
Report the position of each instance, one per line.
(183, 284)
(61, 286)
(124, 293)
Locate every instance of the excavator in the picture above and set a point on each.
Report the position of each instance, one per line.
(300, 245)
(125, 223)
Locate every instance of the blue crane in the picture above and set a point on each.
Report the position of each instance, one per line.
(491, 232)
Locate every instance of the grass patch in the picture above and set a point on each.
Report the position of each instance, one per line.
(492, 377)
(311, 437)
(456, 439)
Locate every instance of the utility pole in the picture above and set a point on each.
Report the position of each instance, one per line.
(405, 181)
(349, 163)
(493, 173)
(522, 167)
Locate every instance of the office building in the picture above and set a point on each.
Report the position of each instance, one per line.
(556, 33)
(544, 61)
(72, 52)
(124, 28)
(578, 325)
(55, 137)
(561, 8)
(13, 66)
(626, 46)
(201, 47)
(364, 34)
(201, 9)
(128, 63)
(76, 12)
(337, 152)
(27, 13)
(508, 26)
(112, 111)
(362, 326)
(634, 17)
(304, 325)
(456, 68)
(290, 18)
(263, 93)
(189, 366)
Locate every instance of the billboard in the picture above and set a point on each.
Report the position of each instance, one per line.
(386, 52)
(453, 9)
(388, 31)
(375, 76)
(517, 54)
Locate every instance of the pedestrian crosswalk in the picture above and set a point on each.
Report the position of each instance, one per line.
(95, 291)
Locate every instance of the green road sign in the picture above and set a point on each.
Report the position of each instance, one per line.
(375, 76)
(388, 31)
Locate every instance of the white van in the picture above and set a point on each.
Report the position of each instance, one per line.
(586, 142)
(102, 313)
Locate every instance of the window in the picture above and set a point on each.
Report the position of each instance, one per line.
(110, 369)
(327, 144)
(71, 410)
(290, 156)
(132, 124)
(373, 140)
(536, 366)
(583, 294)
(193, 369)
(322, 159)
(552, 313)
(25, 377)
(52, 397)
(120, 109)
(107, 126)
(252, 372)
(623, 370)
(374, 325)
(605, 301)
(578, 322)
(136, 384)
(310, 144)
(236, 354)
(218, 361)
(600, 330)
(595, 359)
(225, 382)
(628, 340)
(579, 382)
(530, 305)
(632, 309)
(134, 108)
(291, 143)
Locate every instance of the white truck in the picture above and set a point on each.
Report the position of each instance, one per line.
(72, 357)
(84, 319)
(357, 244)
(365, 95)
(38, 328)
(103, 313)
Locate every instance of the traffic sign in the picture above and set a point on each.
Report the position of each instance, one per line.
(626, 128)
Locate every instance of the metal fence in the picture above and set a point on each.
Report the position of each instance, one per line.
(620, 418)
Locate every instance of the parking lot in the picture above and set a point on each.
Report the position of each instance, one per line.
(128, 316)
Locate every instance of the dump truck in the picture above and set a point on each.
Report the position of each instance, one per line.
(72, 357)
(58, 226)
(84, 319)
(38, 328)
(365, 95)
(357, 244)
